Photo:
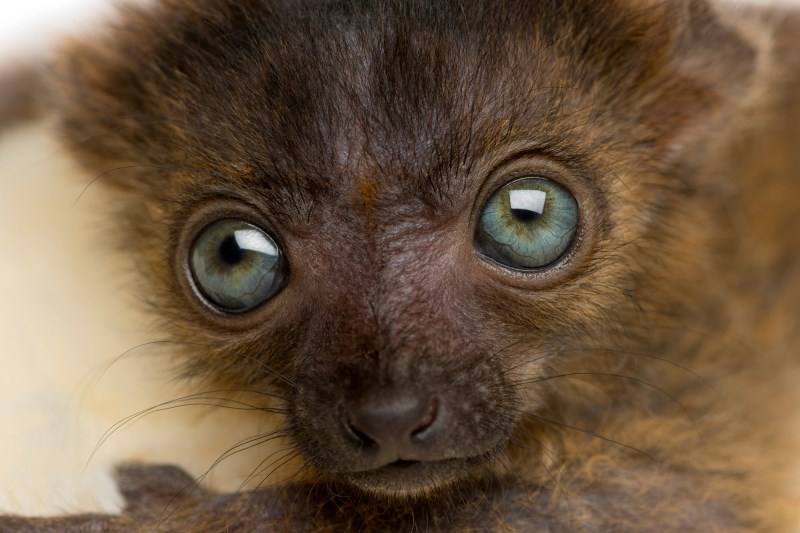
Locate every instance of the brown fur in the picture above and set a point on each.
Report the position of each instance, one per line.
(643, 385)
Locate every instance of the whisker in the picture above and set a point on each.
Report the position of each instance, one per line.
(656, 358)
(110, 171)
(260, 467)
(610, 374)
(107, 366)
(261, 439)
(201, 400)
(245, 445)
(591, 434)
(269, 370)
(614, 351)
(291, 454)
(278, 467)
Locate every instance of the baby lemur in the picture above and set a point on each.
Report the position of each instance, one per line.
(485, 265)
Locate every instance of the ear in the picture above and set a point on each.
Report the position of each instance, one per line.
(678, 68)
(110, 96)
(712, 76)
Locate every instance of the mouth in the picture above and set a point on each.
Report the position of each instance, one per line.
(412, 479)
(400, 441)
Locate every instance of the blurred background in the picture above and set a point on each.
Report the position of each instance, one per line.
(31, 24)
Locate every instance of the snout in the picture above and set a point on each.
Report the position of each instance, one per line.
(393, 425)
(402, 436)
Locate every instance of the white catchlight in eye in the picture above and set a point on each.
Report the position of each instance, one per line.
(249, 239)
(527, 200)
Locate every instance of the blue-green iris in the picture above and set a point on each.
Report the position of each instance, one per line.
(237, 266)
(528, 224)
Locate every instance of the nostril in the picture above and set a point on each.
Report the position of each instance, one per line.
(428, 418)
(357, 434)
(394, 422)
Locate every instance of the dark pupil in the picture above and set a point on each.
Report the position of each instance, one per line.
(230, 252)
(525, 215)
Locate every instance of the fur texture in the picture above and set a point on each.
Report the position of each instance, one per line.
(642, 384)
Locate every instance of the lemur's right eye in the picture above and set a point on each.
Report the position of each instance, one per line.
(236, 266)
(528, 224)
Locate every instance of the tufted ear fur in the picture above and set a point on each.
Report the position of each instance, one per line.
(721, 63)
(676, 67)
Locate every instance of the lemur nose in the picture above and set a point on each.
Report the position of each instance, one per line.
(394, 423)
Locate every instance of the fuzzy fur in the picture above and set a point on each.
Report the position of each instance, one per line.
(642, 384)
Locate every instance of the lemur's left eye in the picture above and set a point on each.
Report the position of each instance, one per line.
(237, 266)
(528, 224)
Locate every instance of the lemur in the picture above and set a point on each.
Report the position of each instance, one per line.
(478, 265)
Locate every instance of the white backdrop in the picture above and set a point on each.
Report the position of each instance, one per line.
(31, 24)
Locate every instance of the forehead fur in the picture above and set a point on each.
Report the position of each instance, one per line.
(302, 94)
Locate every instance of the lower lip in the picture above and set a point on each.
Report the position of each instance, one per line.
(409, 477)
(401, 464)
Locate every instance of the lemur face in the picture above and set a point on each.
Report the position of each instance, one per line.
(397, 217)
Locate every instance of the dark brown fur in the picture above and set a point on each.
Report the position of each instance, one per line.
(642, 386)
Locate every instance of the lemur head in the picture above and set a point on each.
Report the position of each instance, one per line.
(398, 215)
